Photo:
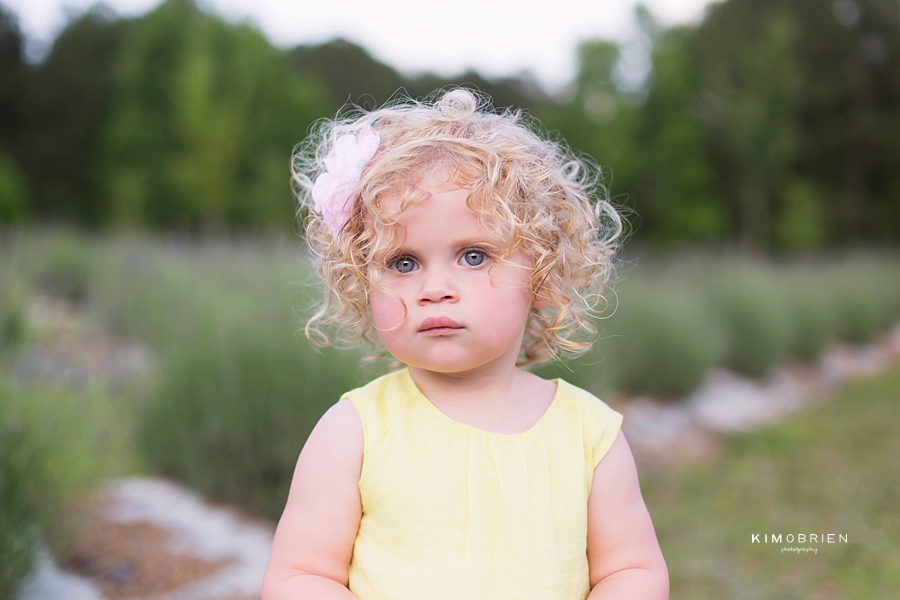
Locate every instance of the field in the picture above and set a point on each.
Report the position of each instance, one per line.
(833, 470)
(233, 389)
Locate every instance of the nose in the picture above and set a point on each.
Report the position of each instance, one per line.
(437, 286)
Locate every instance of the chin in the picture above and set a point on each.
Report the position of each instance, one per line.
(449, 366)
(444, 367)
(442, 364)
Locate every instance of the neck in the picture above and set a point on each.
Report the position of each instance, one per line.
(484, 387)
(505, 402)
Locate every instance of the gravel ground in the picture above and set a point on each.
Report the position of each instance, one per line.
(150, 538)
(691, 428)
(153, 539)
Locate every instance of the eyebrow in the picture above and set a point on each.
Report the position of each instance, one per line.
(475, 241)
(480, 242)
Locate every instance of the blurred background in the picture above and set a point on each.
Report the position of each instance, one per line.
(766, 125)
(152, 275)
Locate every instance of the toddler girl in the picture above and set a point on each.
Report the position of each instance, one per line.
(469, 247)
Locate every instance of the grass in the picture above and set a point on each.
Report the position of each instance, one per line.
(753, 308)
(832, 469)
(677, 318)
(12, 314)
(233, 409)
(53, 443)
(237, 389)
(651, 343)
(55, 439)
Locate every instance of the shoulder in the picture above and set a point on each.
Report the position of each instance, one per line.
(341, 421)
(376, 402)
(337, 436)
(592, 409)
(378, 389)
(317, 529)
(600, 423)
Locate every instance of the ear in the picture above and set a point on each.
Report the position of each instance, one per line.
(539, 303)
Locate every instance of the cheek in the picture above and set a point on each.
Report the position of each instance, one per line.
(504, 308)
(514, 274)
(387, 311)
(510, 286)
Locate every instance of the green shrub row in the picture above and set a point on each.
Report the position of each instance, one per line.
(54, 440)
(233, 409)
(238, 388)
(241, 390)
(674, 323)
(23, 485)
(50, 448)
(12, 313)
(60, 266)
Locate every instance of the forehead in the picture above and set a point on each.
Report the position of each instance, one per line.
(440, 188)
(440, 213)
(444, 198)
(443, 211)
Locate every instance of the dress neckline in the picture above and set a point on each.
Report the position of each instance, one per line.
(408, 383)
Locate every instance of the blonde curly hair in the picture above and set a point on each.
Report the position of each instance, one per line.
(535, 194)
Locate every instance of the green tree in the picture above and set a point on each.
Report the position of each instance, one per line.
(71, 92)
(351, 74)
(347, 71)
(756, 89)
(651, 143)
(203, 123)
(770, 121)
(14, 193)
(843, 57)
(13, 84)
(678, 195)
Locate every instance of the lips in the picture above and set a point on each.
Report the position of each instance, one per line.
(436, 324)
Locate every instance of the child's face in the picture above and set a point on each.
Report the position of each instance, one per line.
(460, 318)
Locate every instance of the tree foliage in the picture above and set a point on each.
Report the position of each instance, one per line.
(13, 81)
(768, 124)
(204, 115)
(70, 99)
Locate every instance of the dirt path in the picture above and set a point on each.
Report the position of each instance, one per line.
(692, 428)
(150, 538)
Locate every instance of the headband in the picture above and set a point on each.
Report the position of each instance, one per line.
(334, 191)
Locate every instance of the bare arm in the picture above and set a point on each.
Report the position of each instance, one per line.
(314, 540)
(624, 557)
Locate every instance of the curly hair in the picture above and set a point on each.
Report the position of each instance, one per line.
(536, 195)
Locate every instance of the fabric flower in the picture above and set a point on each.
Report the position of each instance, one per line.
(335, 188)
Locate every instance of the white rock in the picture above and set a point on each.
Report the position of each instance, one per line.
(199, 529)
(48, 582)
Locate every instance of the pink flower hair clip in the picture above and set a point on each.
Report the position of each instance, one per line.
(335, 188)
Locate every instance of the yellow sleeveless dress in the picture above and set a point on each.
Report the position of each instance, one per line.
(450, 511)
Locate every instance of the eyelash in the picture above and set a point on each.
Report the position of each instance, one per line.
(392, 263)
(484, 253)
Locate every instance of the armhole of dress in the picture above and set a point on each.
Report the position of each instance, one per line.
(365, 429)
(614, 427)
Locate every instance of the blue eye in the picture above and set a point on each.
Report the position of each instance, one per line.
(404, 264)
(473, 258)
